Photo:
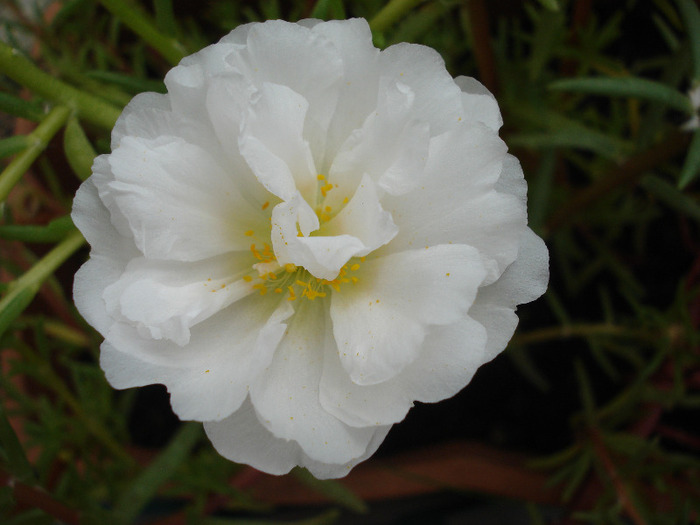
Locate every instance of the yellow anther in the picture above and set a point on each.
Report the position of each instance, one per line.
(290, 268)
(326, 188)
(354, 279)
(346, 200)
(247, 278)
(327, 209)
(355, 267)
(320, 176)
(249, 233)
(291, 294)
(278, 290)
(265, 205)
(261, 287)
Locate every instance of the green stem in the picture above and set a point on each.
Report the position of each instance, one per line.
(580, 330)
(38, 140)
(38, 273)
(141, 24)
(390, 13)
(90, 108)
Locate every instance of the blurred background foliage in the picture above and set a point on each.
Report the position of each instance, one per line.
(590, 416)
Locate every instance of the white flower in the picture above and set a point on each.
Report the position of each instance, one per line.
(302, 238)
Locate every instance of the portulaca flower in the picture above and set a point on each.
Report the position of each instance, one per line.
(304, 236)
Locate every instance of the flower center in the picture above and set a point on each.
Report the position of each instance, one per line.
(294, 280)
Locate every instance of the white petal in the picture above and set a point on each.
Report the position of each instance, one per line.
(109, 255)
(446, 363)
(322, 256)
(164, 299)
(391, 146)
(380, 322)
(438, 99)
(208, 378)
(364, 218)
(478, 103)
(461, 204)
(286, 394)
(243, 439)
(357, 95)
(272, 142)
(179, 202)
(523, 281)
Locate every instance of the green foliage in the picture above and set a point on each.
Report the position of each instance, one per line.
(612, 188)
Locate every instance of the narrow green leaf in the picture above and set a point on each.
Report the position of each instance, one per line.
(329, 9)
(54, 231)
(141, 23)
(691, 17)
(327, 518)
(12, 145)
(19, 107)
(165, 17)
(21, 291)
(146, 485)
(672, 196)
(333, 490)
(628, 87)
(585, 392)
(17, 462)
(552, 5)
(391, 13)
(691, 166)
(78, 150)
(15, 304)
(127, 82)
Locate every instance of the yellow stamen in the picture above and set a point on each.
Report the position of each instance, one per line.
(249, 233)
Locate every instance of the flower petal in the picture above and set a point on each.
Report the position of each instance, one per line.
(522, 282)
(180, 204)
(391, 146)
(445, 364)
(272, 142)
(364, 218)
(243, 439)
(380, 322)
(322, 256)
(437, 97)
(164, 299)
(109, 255)
(479, 103)
(209, 378)
(461, 204)
(286, 394)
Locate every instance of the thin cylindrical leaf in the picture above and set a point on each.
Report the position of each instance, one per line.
(52, 232)
(672, 196)
(21, 291)
(165, 17)
(691, 18)
(127, 82)
(145, 486)
(78, 149)
(691, 166)
(391, 13)
(93, 109)
(328, 9)
(38, 140)
(12, 145)
(628, 87)
(19, 107)
(17, 462)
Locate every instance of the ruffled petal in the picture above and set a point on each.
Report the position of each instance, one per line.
(437, 97)
(379, 323)
(109, 255)
(391, 146)
(461, 204)
(164, 299)
(285, 396)
(272, 142)
(180, 204)
(523, 281)
(208, 378)
(243, 439)
(364, 218)
(478, 103)
(445, 364)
